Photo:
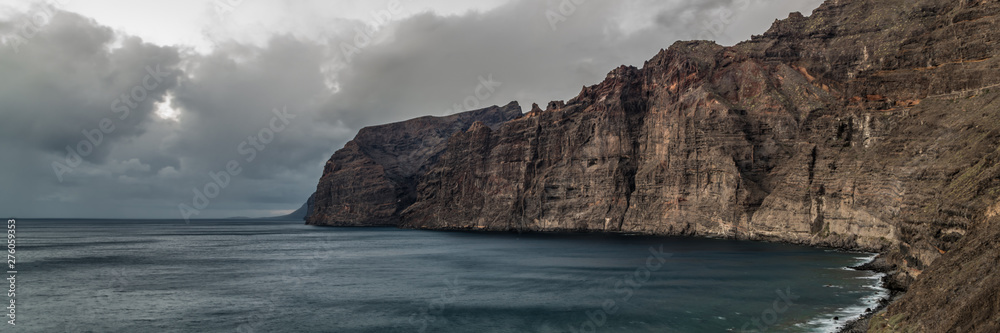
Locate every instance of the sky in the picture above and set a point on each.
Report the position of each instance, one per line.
(221, 108)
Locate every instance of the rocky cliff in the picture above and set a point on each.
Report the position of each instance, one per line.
(868, 125)
(374, 177)
(860, 126)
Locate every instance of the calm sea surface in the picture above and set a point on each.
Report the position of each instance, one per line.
(253, 276)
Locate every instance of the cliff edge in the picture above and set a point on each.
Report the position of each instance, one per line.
(374, 177)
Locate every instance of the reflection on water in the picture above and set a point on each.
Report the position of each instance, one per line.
(251, 276)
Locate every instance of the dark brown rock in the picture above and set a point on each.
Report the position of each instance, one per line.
(374, 177)
(959, 293)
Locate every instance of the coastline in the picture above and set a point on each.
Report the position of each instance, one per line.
(878, 265)
(859, 322)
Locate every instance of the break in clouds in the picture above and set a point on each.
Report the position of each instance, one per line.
(96, 122)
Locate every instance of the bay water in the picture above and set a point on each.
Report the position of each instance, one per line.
(282, 276)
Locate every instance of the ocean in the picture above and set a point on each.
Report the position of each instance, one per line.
(283, 276)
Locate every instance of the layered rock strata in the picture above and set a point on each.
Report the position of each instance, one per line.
(374, 177)
(868, 125)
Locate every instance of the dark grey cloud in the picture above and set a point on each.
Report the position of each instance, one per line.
(62, 79)
(427, 63)
(67, 77)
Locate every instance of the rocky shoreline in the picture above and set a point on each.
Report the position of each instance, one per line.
(877, 265)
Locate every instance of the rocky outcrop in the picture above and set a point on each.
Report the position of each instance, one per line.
(960, 292)
(370, 180)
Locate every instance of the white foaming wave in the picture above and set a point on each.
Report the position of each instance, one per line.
(865, 259)
(826, 323)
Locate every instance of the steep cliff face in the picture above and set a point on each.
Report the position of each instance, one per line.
(869, 125)
(370, 180)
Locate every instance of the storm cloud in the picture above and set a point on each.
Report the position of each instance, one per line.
(96, 122)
